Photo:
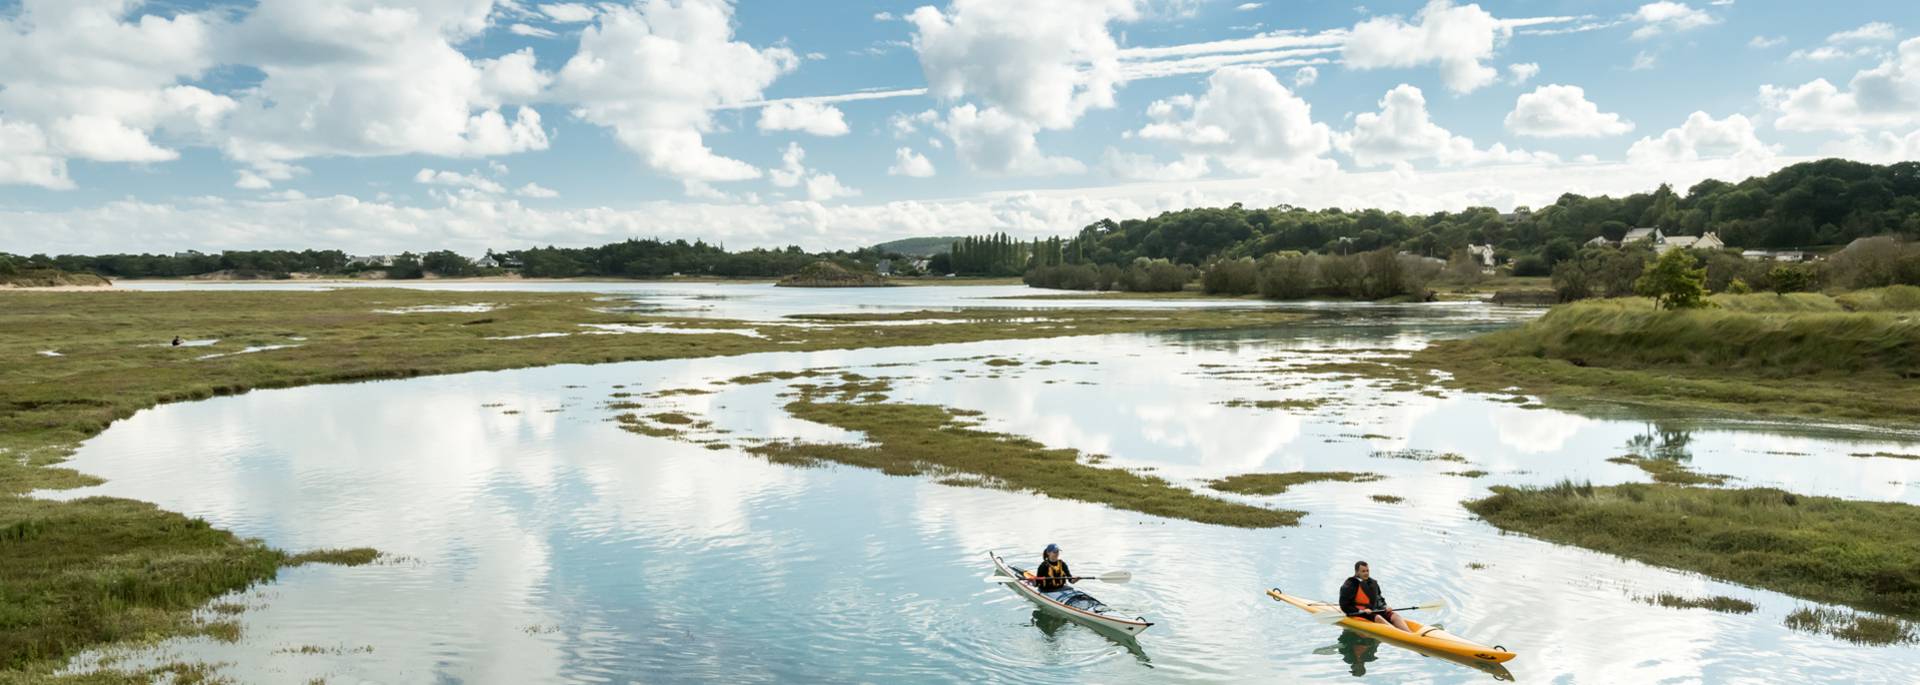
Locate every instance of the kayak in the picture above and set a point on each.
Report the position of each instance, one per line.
(1425, 638)
(1076, 605)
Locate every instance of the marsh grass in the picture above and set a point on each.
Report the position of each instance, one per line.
(1389, 499)
(1669, 471)
(1862, 554)
(1851, 356)
(1291, 405)
(1857, 628)
(1276, 483)
(919, 439)
(81, 573)
(1720, 603)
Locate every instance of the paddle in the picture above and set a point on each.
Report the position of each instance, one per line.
(1331, 617)
(1109, 577)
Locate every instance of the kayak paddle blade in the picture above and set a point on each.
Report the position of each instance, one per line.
(997, 578)
(1114, 577)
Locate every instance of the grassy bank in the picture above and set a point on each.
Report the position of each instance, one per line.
(1853, 356)
(1862, 554)
(75, 574)
(917, 439)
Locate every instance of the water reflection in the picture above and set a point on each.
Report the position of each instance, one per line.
(542, 544)
(1662, 442)
(1357, 650)
(1053, 626)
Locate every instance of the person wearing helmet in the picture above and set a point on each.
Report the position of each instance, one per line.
(1052, 575)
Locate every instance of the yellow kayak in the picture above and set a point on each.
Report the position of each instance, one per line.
(1428, 639)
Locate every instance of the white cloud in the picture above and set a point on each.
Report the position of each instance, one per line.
(1403, 132)
(1666, 16)
(1247, 120)
(1305, 76)
(653, 74)
(342, 79)
(1703, 137)
(1885, 96)
(1249, 6)
(568, 12)
(1457, 39)
(903, 124)
(1881, 148)
(1643, 61)
(823, 187)
(458, 180)
(535, 190)
(1522, 72)
(531, 31)
(883, 16)
(1138, 167)
(91, 80)
(1874, 32)
(1045, 63)
(906, 162)
(992, 141)
(1560, 111)
(1830, 53)
(24, 159)
(811, 117)
(1763, 42)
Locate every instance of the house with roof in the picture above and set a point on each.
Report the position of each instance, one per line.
(1709, 241)
(1482, 254)
(370, 261)
(1599, 241)
(1634, 235)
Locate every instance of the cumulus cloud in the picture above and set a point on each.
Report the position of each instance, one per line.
(793, 172)
(1703, 137)
(992, 141)
(1403, 132)
(1885, 96)
(822, 187)
(810, 117)
(1561, 111)
(653, 73)
(1522, 72)
(1764, 42)
(903, 124)
(1881, 148)
(906, 162)
(1046, 63)
(1305, 76)
(1458, 39)
(1852, 43)
(1656, 18)
(94, 81)
(458, 180)
(1874, 32)
(1247, 120)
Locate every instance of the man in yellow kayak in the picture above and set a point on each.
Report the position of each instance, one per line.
(1360, 598)
(1052, 575)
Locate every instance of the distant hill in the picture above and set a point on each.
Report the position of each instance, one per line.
(918, 247)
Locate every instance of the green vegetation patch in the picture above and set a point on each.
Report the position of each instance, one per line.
(1389, 499)
(1853, 627)
(1670, 471)
(1276, 483)
(1292, 405)
(1419, 455)
(1886, 455)
(1722, 604)
(1852, 356)
(1861, 554)
(918, 439)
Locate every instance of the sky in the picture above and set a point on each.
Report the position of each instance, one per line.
(379, 126)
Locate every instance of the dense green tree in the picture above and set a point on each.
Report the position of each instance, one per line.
(1674, 281)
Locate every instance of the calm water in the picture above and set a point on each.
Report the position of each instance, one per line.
(534, 541)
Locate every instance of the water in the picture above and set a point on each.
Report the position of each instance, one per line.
(547, 545)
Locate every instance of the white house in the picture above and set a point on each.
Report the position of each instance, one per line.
(1599, 241)
(1635, 235)
(487, 262)
(1709, 241)
(1482, 254)
(371, 260)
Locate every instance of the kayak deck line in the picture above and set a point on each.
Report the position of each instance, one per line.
(1096, 615)
(1426, 638)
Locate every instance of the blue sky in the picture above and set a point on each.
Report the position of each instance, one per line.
(372, 125)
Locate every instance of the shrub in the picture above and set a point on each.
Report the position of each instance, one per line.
(1674, 281)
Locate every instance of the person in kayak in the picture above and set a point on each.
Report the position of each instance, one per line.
(1360, 598)
(1052, 576)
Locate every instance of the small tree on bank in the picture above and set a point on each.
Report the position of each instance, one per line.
(1787, 279)
(1674, 281)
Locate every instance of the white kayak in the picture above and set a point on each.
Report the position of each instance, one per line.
(1076, 605)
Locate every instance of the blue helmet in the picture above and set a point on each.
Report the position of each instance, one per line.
(1050, 548)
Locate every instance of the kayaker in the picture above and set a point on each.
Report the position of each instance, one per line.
(1360, 598)
(1052, 575)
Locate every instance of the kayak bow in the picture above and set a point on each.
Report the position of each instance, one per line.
(1431, 639)
(1079, 606)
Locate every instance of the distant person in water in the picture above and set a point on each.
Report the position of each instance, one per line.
(1052, 576)
(1360, 598)
(176, 341)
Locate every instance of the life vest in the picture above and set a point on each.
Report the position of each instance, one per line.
(1360, 598)
(1049, 570)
